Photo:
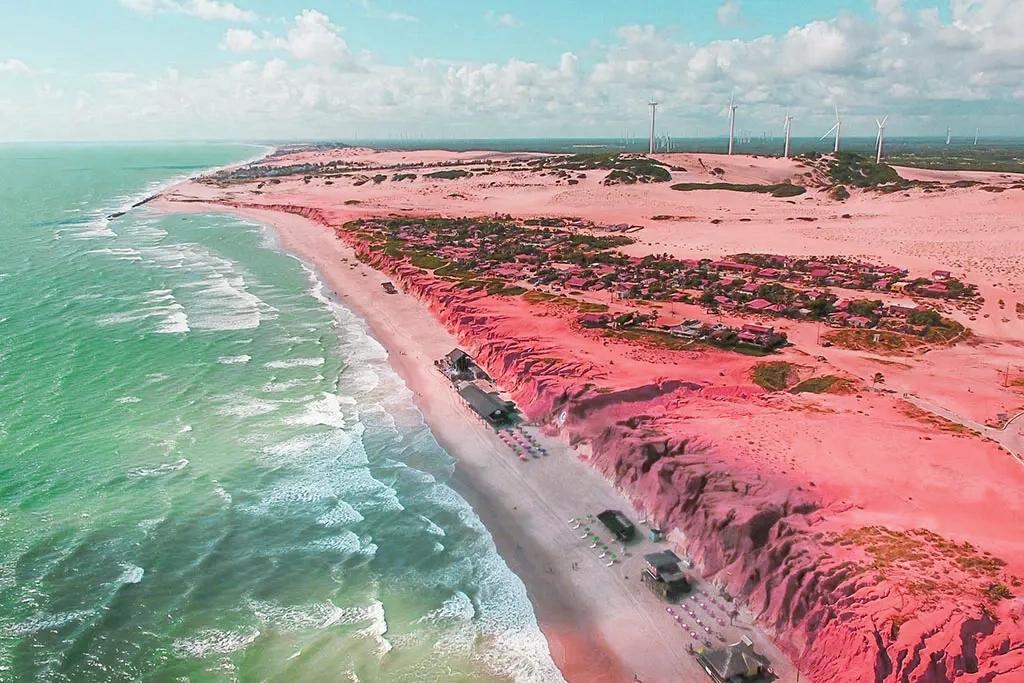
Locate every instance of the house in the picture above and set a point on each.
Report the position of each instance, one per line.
(735, 663)
(733, 266)
(459, 360)
(820, 273)
(487, 404)
(859, 321)
(759, 304)
(594, 320)
(900, 310)
(941, 275)
(936, 289)
(690, 329)
(618, 524)
(577, 282)
(663, 575)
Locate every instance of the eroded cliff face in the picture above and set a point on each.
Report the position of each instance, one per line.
(849, 603)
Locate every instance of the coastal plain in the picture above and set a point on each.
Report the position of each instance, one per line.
(856, 489)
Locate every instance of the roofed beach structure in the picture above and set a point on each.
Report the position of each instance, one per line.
(736, 663)
(488, 405)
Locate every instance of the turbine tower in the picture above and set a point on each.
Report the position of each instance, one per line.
(975, 136)
(788, 127)
(653, 105)
(732, 121)
(837, 128)
(949, 134)
(880, 141)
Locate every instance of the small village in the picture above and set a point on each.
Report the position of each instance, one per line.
(554, 258)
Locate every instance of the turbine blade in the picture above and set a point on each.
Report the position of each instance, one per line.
(830, 131)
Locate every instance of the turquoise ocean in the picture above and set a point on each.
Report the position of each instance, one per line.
(208, 471)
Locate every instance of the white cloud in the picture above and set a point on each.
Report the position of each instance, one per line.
(915, 65)
(215, 10)
(730, 13)
(502, 19)
(311, 37)
(400, 16)
(12, 65)
(240, 40)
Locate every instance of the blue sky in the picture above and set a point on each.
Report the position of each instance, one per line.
(139, 69)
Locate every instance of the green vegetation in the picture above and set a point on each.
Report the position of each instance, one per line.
(625, 168)
(998, 591)
(451, 174)
(828, 384)
(427, 261)
(403, 176)
(773, 376)
(655, 338)
(777, 190)
(537, 297)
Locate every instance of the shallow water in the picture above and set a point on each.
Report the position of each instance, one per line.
(207, 468)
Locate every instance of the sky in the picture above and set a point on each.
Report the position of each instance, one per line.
(365, 69)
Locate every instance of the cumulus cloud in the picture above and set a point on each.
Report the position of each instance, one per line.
(730, 13)
(305, 80)
(12, 65)
(311, 37)
(216, 10)
(502, 19)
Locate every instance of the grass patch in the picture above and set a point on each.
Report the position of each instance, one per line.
(450, 174)
(427, 261)
(655, 338)
(537, 297)
(777, 190)
(828, 384)
(773, 376)
(879, 341)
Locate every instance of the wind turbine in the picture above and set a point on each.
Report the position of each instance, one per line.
(975, 136)
(788, 127)
(837, 128)
(880, 141)
(653, 105)
(732, 120)
(949, 133)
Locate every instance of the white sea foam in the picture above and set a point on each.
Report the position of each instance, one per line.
(325, 411)
(340, 515)
(119, 253)
(128, 399)
(457, 607)
(215, 642)
(140, 472)
(222, 494)
(132, 573)
(248, 407)
(275, 387)
(295, 363)
(234, 360)
(47, 622)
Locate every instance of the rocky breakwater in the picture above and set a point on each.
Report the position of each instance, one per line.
(848, 602)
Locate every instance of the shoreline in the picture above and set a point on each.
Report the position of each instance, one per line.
(598, 626)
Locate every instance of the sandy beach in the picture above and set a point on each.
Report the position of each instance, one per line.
(601, 623)
(794, 502)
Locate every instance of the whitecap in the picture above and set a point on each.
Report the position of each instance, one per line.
(248, 407)
(324, 411)
(139, 472)
(132, 573)
(295, 363)
(47, 622)
(127, 399)
(215, 642)
(234, 360)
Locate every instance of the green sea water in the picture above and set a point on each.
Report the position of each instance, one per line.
(208, 470)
